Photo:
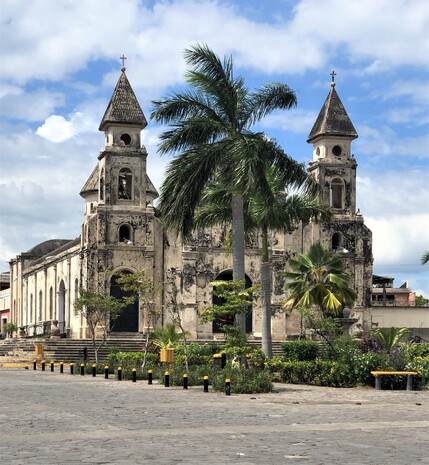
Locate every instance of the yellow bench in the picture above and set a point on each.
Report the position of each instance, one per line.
(408, 374)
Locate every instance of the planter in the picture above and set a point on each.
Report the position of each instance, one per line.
(166, 355)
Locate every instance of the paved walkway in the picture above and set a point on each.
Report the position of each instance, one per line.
(51, 418)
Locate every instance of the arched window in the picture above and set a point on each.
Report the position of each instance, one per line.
(125, 181)
(337, 193)
(125, 234)
(337, 241)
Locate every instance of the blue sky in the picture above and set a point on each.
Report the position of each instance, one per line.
(60, 63)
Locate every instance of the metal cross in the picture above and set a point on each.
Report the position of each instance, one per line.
(333, 74)
(123, 58)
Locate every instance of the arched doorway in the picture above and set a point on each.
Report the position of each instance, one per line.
(128, 319)
(61, 306)
(226, 319)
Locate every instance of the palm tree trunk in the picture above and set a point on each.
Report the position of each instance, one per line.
(266, 295)
(238, 250)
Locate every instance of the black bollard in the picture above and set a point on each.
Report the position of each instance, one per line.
(106, 372)
(52, 366)
(206, 384)
(223, 360)
(167, 379)
(134, 371)
(82, 369)
(185, 381)
(149, 376)
(34, 364)
(227, 387)
(119, 373)
(71, 368)
(61, 367)
(94, 370)
(43, 365)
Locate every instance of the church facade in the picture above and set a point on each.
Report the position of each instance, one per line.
(122, 233)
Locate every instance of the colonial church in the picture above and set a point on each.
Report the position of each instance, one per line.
(121, 232)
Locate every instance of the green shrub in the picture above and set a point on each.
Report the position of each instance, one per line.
(243, 381)
(413, 349)
(132, 360)
(198, 354)
(318, 373)
(363, 364)
(298, 351)
(421, 365)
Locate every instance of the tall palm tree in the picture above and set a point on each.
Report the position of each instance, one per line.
(317, 280)
(211, 137)
(281, 215)
(425, 258)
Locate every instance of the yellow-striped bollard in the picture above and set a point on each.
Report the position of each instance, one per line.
(106, 372)
(134, 371)
(82, 369)
(206, 384)
(185, 381)
(227, 387)
(167, 379)
(149, 376)
(94, 370)
(119, 373)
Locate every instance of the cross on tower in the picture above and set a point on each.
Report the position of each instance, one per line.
(333, 74)
(123, 58)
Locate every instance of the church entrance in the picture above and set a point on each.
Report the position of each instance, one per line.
(226, 319)
(128, 319)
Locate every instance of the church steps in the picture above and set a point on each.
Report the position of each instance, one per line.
(72, 350)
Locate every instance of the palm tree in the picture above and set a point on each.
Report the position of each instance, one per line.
(212, 139)
(317, 280)
(281, 215)
(425, 258)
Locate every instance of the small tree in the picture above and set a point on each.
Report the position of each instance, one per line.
(100, 312)
(10, 328)
(235, 300)
(176, 309)
(143, 290)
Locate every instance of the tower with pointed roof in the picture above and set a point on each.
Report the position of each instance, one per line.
(334, 167)
(120, 231)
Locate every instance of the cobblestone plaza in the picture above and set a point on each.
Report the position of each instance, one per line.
(51, 418)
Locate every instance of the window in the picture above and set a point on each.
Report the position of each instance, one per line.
(126, 139)
(125, 184)
(102, 185)
(125, 234)
(337, 193)
(337, 241)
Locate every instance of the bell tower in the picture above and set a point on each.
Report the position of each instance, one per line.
(120, 231)
(334, 167)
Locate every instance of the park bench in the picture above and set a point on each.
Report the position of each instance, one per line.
(408, 374)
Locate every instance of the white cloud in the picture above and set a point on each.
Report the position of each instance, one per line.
(48, 39)
(29, 106)
(57, 129)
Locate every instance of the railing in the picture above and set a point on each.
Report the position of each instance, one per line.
(40, 329)
(380, 303)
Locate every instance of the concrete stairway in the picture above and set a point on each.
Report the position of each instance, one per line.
(72, 350)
